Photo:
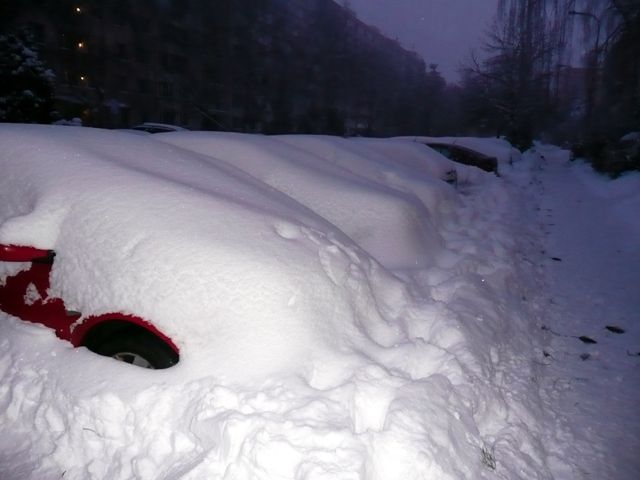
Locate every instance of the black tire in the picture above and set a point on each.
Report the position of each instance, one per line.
(130, 343)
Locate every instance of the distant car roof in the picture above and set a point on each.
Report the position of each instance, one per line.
(158, 127)
(457, 145)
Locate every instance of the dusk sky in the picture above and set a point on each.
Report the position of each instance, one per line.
(441, 31)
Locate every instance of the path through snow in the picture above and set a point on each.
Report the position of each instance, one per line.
(593, 274)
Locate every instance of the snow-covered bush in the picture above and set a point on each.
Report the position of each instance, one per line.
(26, 85)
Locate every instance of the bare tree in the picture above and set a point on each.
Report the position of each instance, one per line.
(527, 42)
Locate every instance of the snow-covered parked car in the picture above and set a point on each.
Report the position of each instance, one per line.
(466, 156)
(394, 225)
(414, 156)
(128, 338)
(137, 248)
(427, 179)
(489, 154)
(300, 355)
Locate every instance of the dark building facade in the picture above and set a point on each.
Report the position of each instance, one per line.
(242, 65)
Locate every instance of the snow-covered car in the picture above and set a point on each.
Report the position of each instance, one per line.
(125, 337)
(466, 156)
(425, 178)
(140, 248)
(414, 156)
(489, 153)
(393, 224)
(300, 355)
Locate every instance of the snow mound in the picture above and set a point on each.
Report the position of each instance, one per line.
(418, 156)
(552, 153)
(391, 225)
(411, 154)
(301, 356)
(400, 172)
(141, 227)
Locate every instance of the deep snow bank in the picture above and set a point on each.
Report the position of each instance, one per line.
(199, 249)
(301, 357)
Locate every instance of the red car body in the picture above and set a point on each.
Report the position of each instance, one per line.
(25, 295)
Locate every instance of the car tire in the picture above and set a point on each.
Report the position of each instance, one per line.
(131, 344)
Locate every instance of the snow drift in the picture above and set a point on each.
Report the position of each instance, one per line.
(301, 356)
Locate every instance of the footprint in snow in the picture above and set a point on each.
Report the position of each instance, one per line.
(582, 338)
(585, 339)
(614, 329)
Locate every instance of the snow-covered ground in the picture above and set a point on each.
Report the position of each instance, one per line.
(302, 355)
(592, 243)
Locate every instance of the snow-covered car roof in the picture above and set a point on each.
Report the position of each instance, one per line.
(411, 154)
(401, 172)
(192, 244)
(392, 225)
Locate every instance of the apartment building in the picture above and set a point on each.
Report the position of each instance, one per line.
(242, 65)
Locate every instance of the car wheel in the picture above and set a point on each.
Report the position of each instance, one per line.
(131, 344)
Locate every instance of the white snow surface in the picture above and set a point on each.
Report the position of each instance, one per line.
(591, 233)
(302, 357)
